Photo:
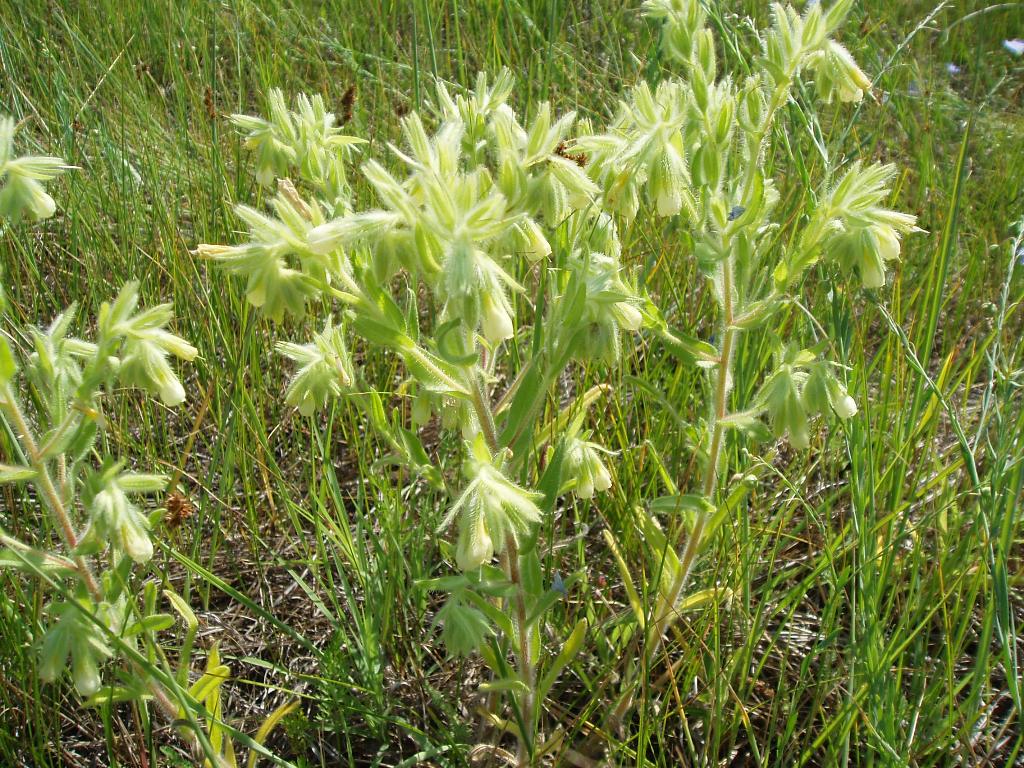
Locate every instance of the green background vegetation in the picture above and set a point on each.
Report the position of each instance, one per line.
(877, 588)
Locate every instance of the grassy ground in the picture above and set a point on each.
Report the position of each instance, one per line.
(877, 578)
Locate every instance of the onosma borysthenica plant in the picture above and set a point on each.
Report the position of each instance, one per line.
(489, 259)
(101, 622)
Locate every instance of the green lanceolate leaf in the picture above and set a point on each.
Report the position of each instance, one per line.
(8, 366)
(572, 646)
(627, 579)
(15, 474)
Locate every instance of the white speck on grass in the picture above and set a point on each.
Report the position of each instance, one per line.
(953, 69)
(1016, 46)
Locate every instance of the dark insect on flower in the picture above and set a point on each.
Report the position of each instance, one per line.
(211, 108)
(736, 212)
(348, 103)
(577, 157)
(179, 509)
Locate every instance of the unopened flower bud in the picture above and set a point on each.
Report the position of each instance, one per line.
(475, 546)
(422, 408)
(628, 317)
(838, 75)
(537, 246)
(145, 365)
(113, 518)
(85, 673)
(844, 405)
(668, 177)
(584, 465)
(451, 414)
(496, 322)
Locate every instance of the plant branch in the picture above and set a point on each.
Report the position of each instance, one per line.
(666, 608)
(720, 412)
(49, 490)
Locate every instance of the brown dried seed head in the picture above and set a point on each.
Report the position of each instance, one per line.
(179, 509)
(348, 102)
(211, 108)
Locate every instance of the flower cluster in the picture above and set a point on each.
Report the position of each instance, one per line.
(306, 139)
(280, 268)
(488, 260)
(864, 234)
(324, 373)
(801, 386)
(585, 465)
(146, 345)
(21, 184)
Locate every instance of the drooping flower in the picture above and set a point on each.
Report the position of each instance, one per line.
(864, 234)
(491, 510)
(21, 188)
(800, 387)
(583, 463)
(822, 391)
(74, 633)
(113, 518)
(147, 345)
(325, 369)
(837, 75)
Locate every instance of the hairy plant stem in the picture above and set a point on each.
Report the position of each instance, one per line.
(523, 651)
(484, 413)
(666, 611)
(49, 490)
(779, 97)
(510, 561)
